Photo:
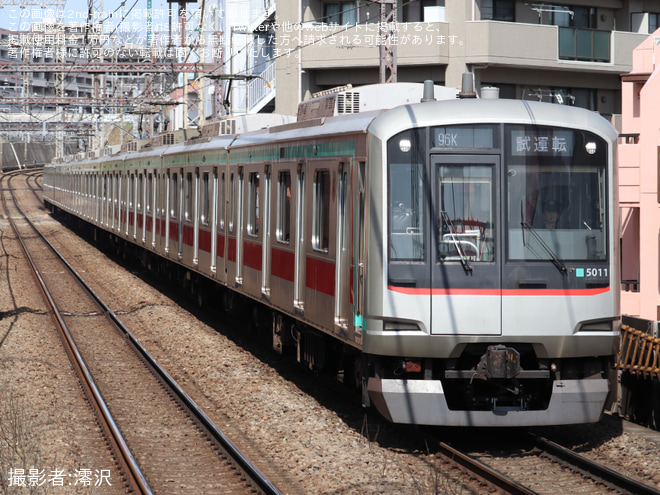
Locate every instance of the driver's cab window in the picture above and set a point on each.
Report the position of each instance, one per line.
(556, 194)
(407, 179)
(465, 202)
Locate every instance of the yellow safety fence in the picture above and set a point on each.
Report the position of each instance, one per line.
(639, 353)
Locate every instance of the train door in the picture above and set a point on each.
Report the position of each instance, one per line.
(180, 207)
(152, 182)
(116, 201)
(251, 248)
(167, 211)
(265, 232)
(123, 203)
(299, 248)
(203, 228)
(174, 224)
(98, 196)
(342, 255)
(130, 203)
(465, 264)
(161, 209)
(221, 226)
(213, 220)
(194, 215)
(281, 243)
(240, 207)
(231, 227)
(140, 210)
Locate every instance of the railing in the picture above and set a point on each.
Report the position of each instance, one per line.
(584, 44)
(639, 353)
(258, 89)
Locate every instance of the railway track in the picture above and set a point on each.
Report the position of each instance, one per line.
(162, 442)
(539, 466)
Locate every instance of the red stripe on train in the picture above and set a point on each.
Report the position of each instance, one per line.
(252, 255)
(498, 292)
(282, 264)
(231, 252)
(221, 246)
(320, 276)
(205, 240)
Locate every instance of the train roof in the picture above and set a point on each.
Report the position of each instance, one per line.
(384, 123)
(317, 128)
(483, 111)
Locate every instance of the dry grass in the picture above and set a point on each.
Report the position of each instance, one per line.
(19, 447)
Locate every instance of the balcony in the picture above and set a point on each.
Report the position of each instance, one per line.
(516, 44)
(332, 46)
(261, 90)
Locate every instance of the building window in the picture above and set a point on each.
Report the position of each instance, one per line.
(567, 16)
(498, 10)
(341, 13)
(654, 22)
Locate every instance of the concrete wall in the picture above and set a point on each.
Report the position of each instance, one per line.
(13, 154)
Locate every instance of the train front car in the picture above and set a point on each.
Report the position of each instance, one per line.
(492, 281)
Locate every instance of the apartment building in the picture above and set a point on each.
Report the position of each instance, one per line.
(566, 52)
(639, 196)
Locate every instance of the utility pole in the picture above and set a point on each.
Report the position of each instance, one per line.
(387, 28)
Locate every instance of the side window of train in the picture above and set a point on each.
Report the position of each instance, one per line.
(222, 202)
(283, 227)
(174, 199)
(129, 190)
(188, 193)
(321, 205)
(253, 204)
(232, 203)
(150, 191)
(140, 192)
(206, 194)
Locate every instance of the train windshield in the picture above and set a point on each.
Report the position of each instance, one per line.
(407, 179)
(556, 194)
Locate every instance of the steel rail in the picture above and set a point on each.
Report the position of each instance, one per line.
(134, 476)
(486, 472)
(604, 473)
(262, 482)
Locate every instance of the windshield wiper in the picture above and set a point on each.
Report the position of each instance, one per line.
(553, 256)
(445, 217)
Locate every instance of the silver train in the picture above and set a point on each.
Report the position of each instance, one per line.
(456, 258)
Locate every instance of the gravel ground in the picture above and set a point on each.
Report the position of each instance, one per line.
(326, 443)
(42, 412)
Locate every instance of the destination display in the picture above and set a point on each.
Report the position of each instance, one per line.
(541, 141)
(483, 136)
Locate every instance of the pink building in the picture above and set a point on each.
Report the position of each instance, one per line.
(639, 194)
